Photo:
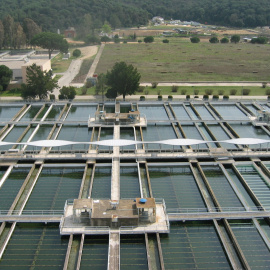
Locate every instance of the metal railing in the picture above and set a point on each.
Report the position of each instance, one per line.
(31, 213)
(172, 211)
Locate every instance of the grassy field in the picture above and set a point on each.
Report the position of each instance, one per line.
(166, 90)
(181, 60)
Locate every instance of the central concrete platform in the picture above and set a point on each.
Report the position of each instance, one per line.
(88, 216)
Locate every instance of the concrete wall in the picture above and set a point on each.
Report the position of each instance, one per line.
(44, 64)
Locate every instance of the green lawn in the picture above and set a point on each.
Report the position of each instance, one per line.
(167, 90)
(181, 60)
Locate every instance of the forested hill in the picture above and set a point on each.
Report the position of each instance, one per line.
(54, 14)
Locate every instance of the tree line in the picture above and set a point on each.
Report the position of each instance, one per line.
(16, 35)
(60, 14)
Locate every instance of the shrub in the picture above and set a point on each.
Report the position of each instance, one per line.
(196, 96)
(146, 91)
(165, 41)
(116, 40)
(213, 40)
(52, 97)
(233, 92)
(61, 97)
(141, 89)
(225, 97)
(139, 41)
(221, 92)
(224, 40)
(84, 90)
(267, 92)
(246, 92)
(196, 91)
(154, 84)
(159, 97)
(264, 84)
(215, 97)
(77, 53)
(205, 97)
(268, 97)
(208, 91)
(183, 91)
(142, 97)
(170, 97)
(187, 97)
(175, 88)
(194, 39)
(159, 92)
(88, 84)
(148, 39)
(125, 41)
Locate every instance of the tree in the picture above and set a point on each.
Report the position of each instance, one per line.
(38, 83)
(194, 39)
(67, 92)
(92, 39)
(5, 76)
(105, 39)
(19, 36)
(8, 24)
(106, 28)
(165, 41)
(224, 40)
(30, 29)
(86, 25)
(101, 84)
(235, 39)
(50, 41)
(213, 40)
(148, 39)
(2, 33)
(115, 22)
(123, 79)
(259, 40)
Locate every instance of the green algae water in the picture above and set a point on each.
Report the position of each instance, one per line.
(254, 248)
(35, 246)
(74, 133)
(176, 185)
(180, 112)
(153, 112)
(54, 186)
(230, 112)
(129, 183)
(11, 187)
(221, 187)
(158, 133)
(31, 113)
(81, 112)
(8, 112)
(203, 112)
(102, 183)
(133, 252)
(256, 183)
(95, 252)
(193, 245)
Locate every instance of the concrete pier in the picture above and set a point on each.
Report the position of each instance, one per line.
(115, 181)
(114, 251)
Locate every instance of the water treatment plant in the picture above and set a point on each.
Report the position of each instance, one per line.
(135, 185)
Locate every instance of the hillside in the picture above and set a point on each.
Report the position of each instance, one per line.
(54, 14)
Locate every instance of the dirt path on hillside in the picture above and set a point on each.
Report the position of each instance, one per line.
(88, 51)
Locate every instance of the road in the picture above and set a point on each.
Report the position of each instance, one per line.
(68, 76)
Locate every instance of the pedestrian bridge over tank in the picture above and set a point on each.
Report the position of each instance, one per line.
(174, 214)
